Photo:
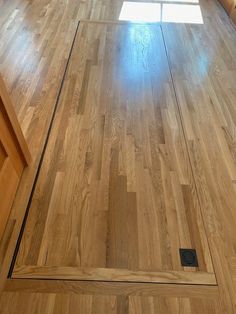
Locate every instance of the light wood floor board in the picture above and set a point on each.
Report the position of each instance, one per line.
(30, 303)
(111, 274)
(111, 288)
(115, 190)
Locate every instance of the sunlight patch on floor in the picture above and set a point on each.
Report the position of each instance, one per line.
(140, 12)
(149, 12)
(182, 13)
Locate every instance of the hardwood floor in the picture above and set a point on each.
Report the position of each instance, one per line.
(36, 38)
(206, 96)
(36, 296)
(97, 304)
(34, 48)
(118, 159)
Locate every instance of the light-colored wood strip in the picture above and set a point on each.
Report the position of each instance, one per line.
(108, 274)
(26, 303)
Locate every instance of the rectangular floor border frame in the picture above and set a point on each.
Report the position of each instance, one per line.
(29, 277)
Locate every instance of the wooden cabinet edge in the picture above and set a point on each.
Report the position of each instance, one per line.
(233, 13)
(13, 122)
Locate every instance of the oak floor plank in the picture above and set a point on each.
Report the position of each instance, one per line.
(110, 288)
(99, 304)
(114, 274)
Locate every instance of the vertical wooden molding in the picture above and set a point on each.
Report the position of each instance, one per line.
(12, 119)
(233, 13)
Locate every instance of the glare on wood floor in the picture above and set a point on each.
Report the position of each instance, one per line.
(188, 11)
(140, 12)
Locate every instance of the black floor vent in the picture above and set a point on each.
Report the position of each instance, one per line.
(188, 257)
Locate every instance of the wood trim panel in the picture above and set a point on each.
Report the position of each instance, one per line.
(9, 178)
(9, 144)
(11, 116)
(14, 155)
(109, 288)
(233, 13)
(3, 155)
(115, 275)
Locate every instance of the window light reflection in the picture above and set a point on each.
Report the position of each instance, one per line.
(140, 12)
(182, 13)
(149, 12)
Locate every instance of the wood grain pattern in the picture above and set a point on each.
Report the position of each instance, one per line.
(111, 288)
(36, 38)
(115, 189)
(9, 180)
(36, 34)
(25, 303)
(7, 109)
(206, 95)
(115, 275)
(14, 155)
